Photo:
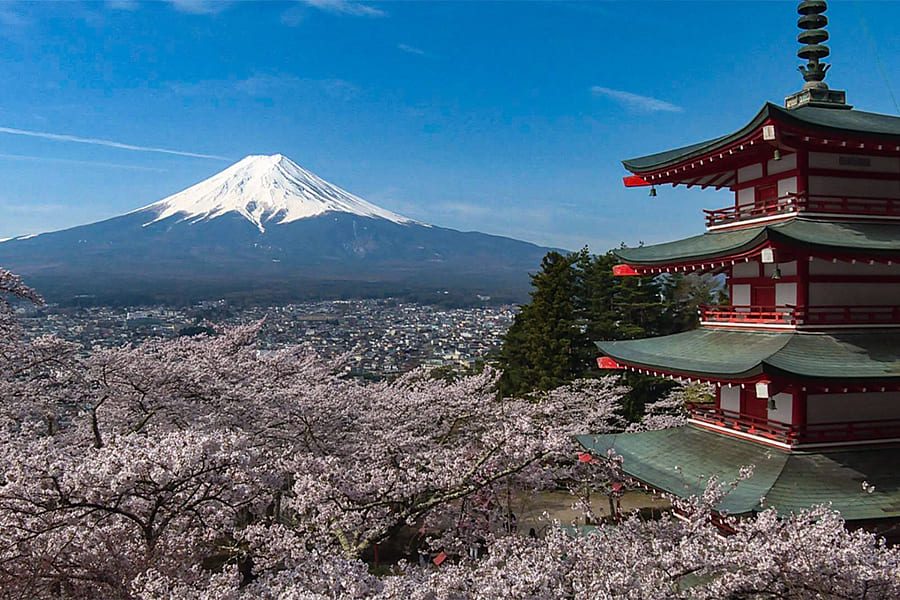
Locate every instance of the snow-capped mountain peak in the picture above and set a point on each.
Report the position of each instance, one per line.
(266, 190)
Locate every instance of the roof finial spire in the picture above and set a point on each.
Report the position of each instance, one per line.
(815, 91)
(812, 20)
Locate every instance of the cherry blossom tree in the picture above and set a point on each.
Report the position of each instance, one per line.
(205, 468)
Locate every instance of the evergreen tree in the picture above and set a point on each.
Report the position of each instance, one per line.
(539, 350)
(576, 302)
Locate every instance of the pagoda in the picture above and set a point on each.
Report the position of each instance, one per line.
(805, 357)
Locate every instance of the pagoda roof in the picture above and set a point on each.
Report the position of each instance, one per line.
(839, 122)
(868, 356)
(680, 461)
(830, 236)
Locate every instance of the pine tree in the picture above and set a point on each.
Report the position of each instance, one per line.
(576, 302)
(540, 349)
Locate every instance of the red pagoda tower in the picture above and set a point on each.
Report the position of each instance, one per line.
(805, 358)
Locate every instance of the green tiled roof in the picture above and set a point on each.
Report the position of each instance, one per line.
(838, 121)
(680, 461)
(838, 356)
(834, 236)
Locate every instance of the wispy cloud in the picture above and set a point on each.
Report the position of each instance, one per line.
(635, 102)
(194, 7)
(109, 143)
(9, 18)
(122, 4)
(199, 7)
(412, 49)
(266, 85)
(345, 7)
(89, 163)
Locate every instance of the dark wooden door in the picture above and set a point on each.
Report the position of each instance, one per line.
(753, 406)
(766, 198)
(763, 295)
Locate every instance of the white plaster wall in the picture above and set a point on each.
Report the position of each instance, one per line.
(855, 294)
(788, 162)
(745, 269)
(826, 267)
(831, 408)
(740, 294)
(749, 173)
(877, 164)
(784, 408)
(788, 269)
(786, 294)
(853, 188)
(730, 398)
(787, 186)
(746, 196)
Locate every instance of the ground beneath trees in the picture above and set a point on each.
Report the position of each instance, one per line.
(538, 510)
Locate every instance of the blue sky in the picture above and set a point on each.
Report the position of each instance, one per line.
(504, 117)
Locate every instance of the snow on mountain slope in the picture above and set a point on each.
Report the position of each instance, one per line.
(264, 190)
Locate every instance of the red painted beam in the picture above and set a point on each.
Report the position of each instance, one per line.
(605, 362)
(624, 271)
(635, 181)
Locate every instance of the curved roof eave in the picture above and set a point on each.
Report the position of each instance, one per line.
(840, 121)
(738, 354)
(881, 239)
(681, 460)
(643, 164)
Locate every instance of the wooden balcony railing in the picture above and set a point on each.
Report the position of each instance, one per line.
(813, 433)
(809, 316)
(795, 203)
(708, 413)
(784, 315)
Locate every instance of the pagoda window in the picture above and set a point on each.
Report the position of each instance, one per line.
(819, 267)
(854, 162)
(852, 407)
(749, 173)
(852, 188)
(785, 294)
(740, 294)
(857, 294)
(746, 197)
(786, 269)
(747, 269)
(782, 409)
(788, 162)
(730, 399)
(787, 186)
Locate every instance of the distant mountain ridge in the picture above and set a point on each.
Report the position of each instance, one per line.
(267, 227)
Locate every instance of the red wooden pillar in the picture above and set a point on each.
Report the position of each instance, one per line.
(803, 284)
(802, 173)
(798, 414)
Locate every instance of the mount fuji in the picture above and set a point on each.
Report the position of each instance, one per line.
(266, 229)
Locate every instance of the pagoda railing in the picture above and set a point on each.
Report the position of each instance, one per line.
(795, 203)
(784, 315)
(809, 316)
(812, 433)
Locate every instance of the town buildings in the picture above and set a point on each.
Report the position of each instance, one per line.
(376, 338)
